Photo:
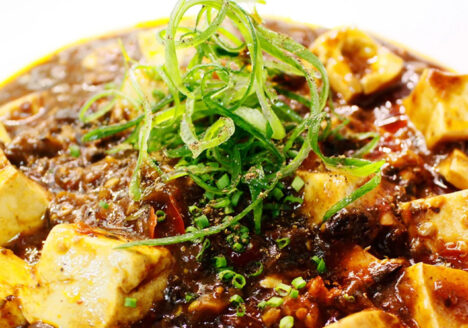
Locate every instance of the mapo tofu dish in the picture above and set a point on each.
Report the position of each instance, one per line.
(231, 171)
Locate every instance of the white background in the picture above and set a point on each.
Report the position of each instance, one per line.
(33, 28)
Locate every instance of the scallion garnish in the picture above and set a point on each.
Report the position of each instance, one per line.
(282, 289)
(223, 182)
(205, 245)
(161, 215)
(130, 302)
(220, 262)
(321, 267)
(293, 199)
(287, 322)
(298, 283)
(104, 205)
(283, 242)
(238, 281)
(74, 151)
(238, 301)
(259, 271)
(275, 301)
(220, 117)
(201, 221)
(190, 297)
(294, 293)
(297, 183)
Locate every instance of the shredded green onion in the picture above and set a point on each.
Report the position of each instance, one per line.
(220, 117)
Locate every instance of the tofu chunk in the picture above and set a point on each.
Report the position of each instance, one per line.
(356, 64)
(14, 273)
(358, 262)
(368, 319)
(324, 189)
(83, 280)
(30, 104)
(4, 136)
(22, 202)
(436, 296)
(438, 106)
(438, 220)
(455, 169)
(357, 270)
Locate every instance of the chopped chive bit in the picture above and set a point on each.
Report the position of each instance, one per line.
(239, 303)
(294, 293)
(194, 209)
(283, 242)
(258, 272)
(283, 289)
(239, 281)
(161, 215)
(349, 298)
(297, 183)
(272, 302)
(223, 182)
(277, 193)
(222, 202)
(190, 297)
(293, 199)
(220, 262)
(236, 299)
(286, 322)
(298, 283)
(103, 205)
(202, 222)
(321, 267)
(130, 302)
(74, 151)
(236, 197)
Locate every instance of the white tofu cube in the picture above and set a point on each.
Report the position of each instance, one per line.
(438, 106)
(439, 295)
(355, 63)
(4, 136)
(23, 202)
(438, 220)
(324, 189)
(455, 169)
(13, 274)
(83, 280)
(34, 100)
(368, 319)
